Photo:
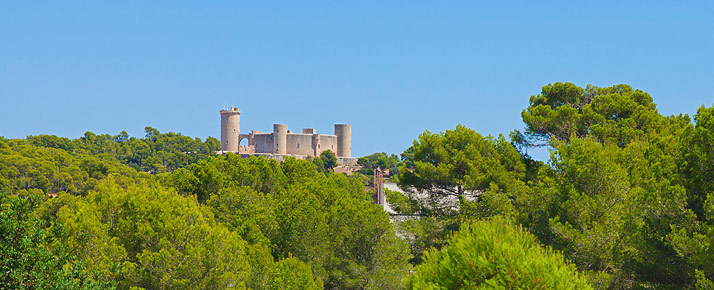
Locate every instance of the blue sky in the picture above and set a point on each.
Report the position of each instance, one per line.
(392, 70)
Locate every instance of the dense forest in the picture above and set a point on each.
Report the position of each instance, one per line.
(625, 201)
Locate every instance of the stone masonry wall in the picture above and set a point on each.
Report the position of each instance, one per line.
(327, 142)
(264, 143)
(300, 144)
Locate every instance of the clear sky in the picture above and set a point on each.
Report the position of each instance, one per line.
(392, 70)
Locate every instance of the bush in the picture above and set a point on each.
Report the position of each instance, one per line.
(495, 254)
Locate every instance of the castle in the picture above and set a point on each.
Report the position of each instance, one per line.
(282, 143)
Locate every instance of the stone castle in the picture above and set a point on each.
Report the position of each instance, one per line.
(282, 143)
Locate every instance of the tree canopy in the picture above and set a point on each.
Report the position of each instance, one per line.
(218, 223)
(495, 254)
(617, 114)
(155, 153)
(625, 201)
(625, 195)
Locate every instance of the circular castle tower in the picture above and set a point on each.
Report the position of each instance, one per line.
(230, 129)
(344, 140)
(280, 138)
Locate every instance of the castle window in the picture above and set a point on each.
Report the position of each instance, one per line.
(298, 145)
(318, 146)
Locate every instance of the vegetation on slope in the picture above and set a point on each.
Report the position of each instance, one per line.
(626, 200)
(223, 222)
(625, 195)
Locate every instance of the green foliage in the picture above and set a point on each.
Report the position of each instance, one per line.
(208, 177)
(424, 233)
(326, 162)
(371, 257)
(699, 171)
(702, 281)
(616, 115)
(593, 216)
(556, 112)
(329, 221)
(24, 167)
(157, 238)
(454, 162)
(456, 174)
(693, 240)
(379, 160)
(329, 159)
(247, 212)
(221, 222)
(608, 209)
(400, 202)
(627, 197)
(28, 257)
(624, 195)
(324, 220)
(156, 153)
(291, 273)
(495, 255)
(616, 191)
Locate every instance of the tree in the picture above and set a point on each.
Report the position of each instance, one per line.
(29, 258)
(326, 221)
(329, 158)
(595, 208)
(698, 171)
(155, 237)
(621, 178)
(608, 208)
(220, 222)
(325, 162)
(450, 164)
(207, 177)
(247, 212)
(25, 166)
(156, 153)
(291, 273)
(329, 222)
(616, 114)
(379, 160)
(495, 254)
(556, 112)
(694, 240)
(456, 174)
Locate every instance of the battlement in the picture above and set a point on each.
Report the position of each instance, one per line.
(232, 110)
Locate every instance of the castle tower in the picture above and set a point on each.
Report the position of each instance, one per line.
(280, 138)
(230, 129)
(344, 140)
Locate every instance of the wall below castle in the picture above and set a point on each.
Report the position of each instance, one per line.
(347, 161)
(246, 149)
(300, 144)
(264, 143)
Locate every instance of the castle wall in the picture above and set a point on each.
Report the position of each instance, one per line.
(263, 143)
(300, 144)
(325, 142)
